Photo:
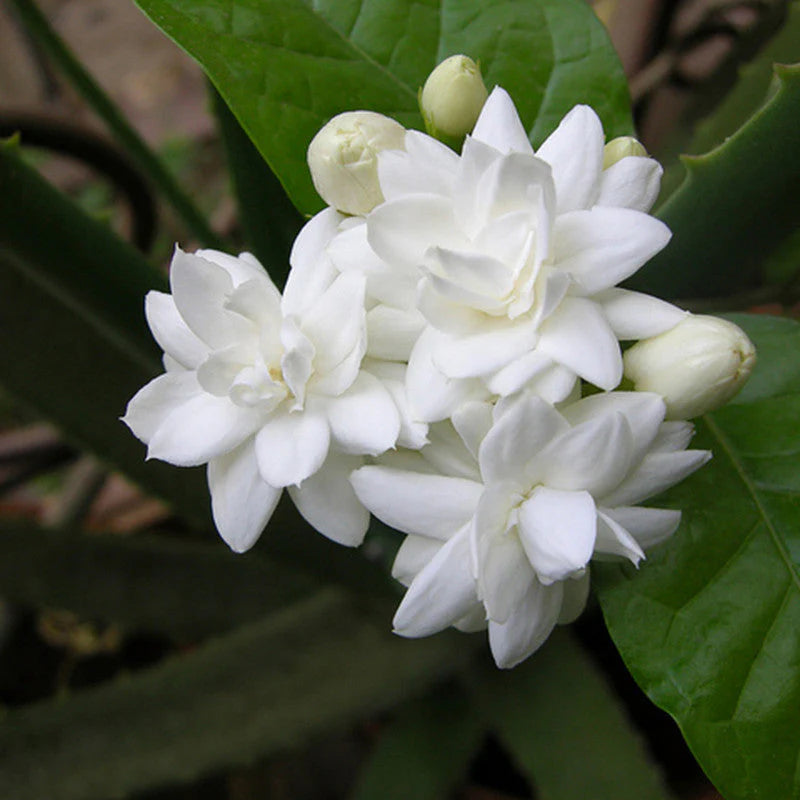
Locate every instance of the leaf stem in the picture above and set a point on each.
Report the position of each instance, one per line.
(106, 109)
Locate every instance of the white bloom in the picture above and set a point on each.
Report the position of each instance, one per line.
(268, 391)
(507, 541)
(343, 159)
(696, 367)
(453, 96)
(511, 259)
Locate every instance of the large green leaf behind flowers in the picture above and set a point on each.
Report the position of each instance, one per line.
(287, 66)
(710, 625)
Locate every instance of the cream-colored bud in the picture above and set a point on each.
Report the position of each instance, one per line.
(343, 159)
(453, 97)
(621, 147)
(697, 366)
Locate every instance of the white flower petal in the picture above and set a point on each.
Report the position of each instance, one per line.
(554, 384)
(435, 506)
(335, 323)
(657, 472)
(526, 425)
(328, 503)
(154, 402)
(473, 621)
(259, 301)
(456, 294)
(528, 627)
(576, 592)
(578, 336)
(202, 428)
(297, 359)
(312, 271)
(476, 158)
(242, 268)
(595, 456)
(504, 574)
(516, 374)
(474, 272)
(506, 237)
(499, 125)
(483, 353)
(412, 434)
(472, 421)
(648, 526)
(426, 166)
(614, 539)
(443, 592)
(633, 182)
(516, 182)
(431, 395)
(448, 455)
(449, 311)
(200, 289)
(575, 152)
(218, 371)
(173, 335)
(364, 420)
(557, 530)
(672, 435)
(242, 503)
(603, 246)
(643, 410)
(291, 447)
(633, 315)
(400, 231)
(413, 555)
(392, 332)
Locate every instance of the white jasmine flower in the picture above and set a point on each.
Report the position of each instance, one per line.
(511, 258)
(506, 542)
(697, 366)
(268, 390)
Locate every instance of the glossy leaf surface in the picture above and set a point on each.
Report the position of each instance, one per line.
(737, 204)
(710, 626)
(286, 66)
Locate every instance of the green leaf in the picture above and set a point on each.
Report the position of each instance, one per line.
(76, 347)
(73, 256)
(266, 687)
(566, 730)
(710, 626)
(186, 590)
(737, 204)
(285, 67)
(425, 750)
(269, 219)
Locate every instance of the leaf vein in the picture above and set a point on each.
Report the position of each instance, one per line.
(751, 488)
(362, 53)
(787, 595)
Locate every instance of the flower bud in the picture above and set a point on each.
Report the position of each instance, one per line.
(453, 97)
(621, 147)
(697, 366)
(343, 159)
